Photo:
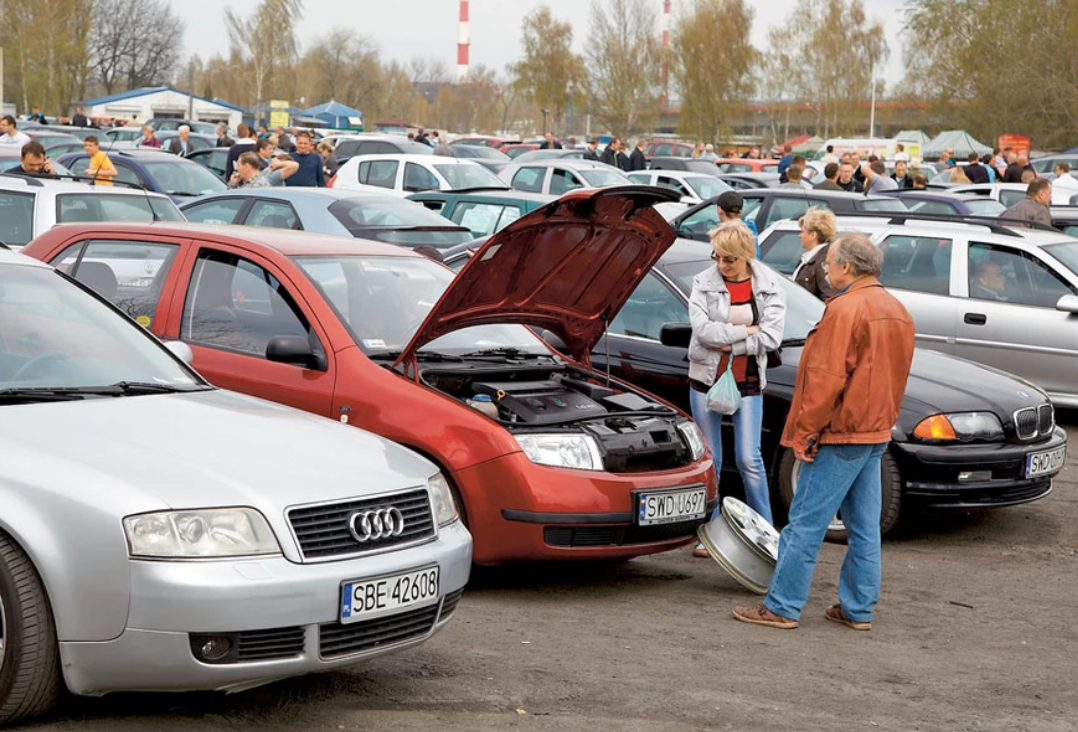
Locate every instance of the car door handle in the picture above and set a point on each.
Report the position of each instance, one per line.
(975, 319)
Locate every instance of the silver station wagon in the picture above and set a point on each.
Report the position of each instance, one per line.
(157, 533)
(1003, 296)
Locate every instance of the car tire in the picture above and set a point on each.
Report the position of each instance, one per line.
(890, 484)
(29, 662)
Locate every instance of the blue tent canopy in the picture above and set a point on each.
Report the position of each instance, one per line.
(336, 115)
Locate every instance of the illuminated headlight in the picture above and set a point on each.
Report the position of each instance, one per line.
(562, 451)
(963, 427)
(441, 500)
(218, 532)
(693, 438)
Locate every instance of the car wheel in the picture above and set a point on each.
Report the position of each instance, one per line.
(890, 484)
(29, 663)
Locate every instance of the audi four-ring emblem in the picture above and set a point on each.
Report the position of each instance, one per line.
(383, 523)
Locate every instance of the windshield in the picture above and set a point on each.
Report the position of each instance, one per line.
(177, 177)
(803, 309)
(384, 300)
(395, 221)
(57, 336)
(600, 178)
(1067, 253)
(76, 207)
(707, 187)
(469, 176)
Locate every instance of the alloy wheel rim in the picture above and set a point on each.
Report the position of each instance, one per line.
(836, 524)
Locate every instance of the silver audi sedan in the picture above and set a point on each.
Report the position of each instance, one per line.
(157, 533)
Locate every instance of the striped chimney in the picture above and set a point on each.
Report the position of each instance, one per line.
(463, 42)
(666, 52)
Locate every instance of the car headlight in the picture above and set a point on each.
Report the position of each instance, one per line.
(963, 427)
(562, 450)
(216, 532)
(441, 500)
(693, 438)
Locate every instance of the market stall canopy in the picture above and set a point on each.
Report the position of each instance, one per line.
(336, 115)
(960, 142)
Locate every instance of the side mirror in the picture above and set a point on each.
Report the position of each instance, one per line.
(181, 351)
(292, 349)
(554, 341)
(675, 335)
(1068, 304)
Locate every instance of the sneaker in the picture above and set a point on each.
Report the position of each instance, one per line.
(760, 615)
(835, 615)
(700, 552)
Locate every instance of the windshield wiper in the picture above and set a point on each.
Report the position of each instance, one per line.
(69, 393)
(132, 388)
(420, 355)
(39, 394)
(504, 351)
(182, 193)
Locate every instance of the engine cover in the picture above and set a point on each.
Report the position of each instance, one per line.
(540, 402)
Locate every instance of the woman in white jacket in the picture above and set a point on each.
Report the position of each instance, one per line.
(737, 309)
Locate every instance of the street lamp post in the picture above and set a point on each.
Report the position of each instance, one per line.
(545, 113)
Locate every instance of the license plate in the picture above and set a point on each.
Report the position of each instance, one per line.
(364, 599)
(667, 507)
(1045, 463)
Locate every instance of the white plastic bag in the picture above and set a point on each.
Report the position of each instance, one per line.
(724, 397)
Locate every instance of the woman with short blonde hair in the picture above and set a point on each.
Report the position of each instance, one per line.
(818, 228)
(737, 309)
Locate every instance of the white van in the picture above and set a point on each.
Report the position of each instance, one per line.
(882, 147)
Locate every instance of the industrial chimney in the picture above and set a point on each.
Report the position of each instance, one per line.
(462, 44)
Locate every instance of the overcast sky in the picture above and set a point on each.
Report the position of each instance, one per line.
(429, 27)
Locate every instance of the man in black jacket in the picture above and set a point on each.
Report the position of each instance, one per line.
(637, 161)
(590, 152)
(550, 143)
(79, 120)
(614, 156)
(975, 171)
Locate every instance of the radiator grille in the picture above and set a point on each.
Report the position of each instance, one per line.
(1031, 423)
(324, 531)
(262, 645)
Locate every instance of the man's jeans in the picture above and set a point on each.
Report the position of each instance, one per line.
(748, 422)
(841, 476)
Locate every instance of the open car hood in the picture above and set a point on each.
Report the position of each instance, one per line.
(567, 267)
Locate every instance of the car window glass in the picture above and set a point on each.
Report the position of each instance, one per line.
(346, 148)
(782, 250)
(785, 208)
(237, 305)
(919, 263)
(482, 219)
(381, 173)
(218, 211)
(375, 147)
(16, 218)
(700, 222)
(562, 181)
(418, 178)
(737, 168)
(529, 179)
(930, 207)
(1009, 198)
(1002, 273)
(273, 214)
(126, 173)
(750, 207)
(674, 183)
(649, 306)
(663, 150)
(644, 178)
(129, 274)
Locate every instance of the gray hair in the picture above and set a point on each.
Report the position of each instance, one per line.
(858, 251)
(183, 128)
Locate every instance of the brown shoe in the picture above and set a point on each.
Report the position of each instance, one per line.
(835, 615)
(760, 615)
(700, 552)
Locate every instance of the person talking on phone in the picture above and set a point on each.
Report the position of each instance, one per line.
(737, 310)
(847, 397)
(33, 162)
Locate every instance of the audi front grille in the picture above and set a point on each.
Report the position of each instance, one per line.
(326, 530)
(1032, 423)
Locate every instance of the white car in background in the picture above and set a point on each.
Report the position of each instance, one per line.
(693, 187)
(556, 177)
(1011, 193)
(399, 175)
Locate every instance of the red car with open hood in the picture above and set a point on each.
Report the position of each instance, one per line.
(549, 459)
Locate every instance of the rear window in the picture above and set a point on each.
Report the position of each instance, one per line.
(891, 204)
(16, 218)
(76, 207)
(397, 222)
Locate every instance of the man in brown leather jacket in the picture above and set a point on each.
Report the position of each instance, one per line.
(848, 394)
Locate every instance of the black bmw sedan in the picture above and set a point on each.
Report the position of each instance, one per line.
(967, 436)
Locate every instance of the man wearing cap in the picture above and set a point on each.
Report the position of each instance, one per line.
(729, 205)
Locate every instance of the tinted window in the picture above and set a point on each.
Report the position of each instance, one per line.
(1002, 273)
(529, 179)
(562, 181)
(381, 173)
(700, 222)
(346, 148)
(16, 218)
(782, 250)
(663, 150)
(1009, 198)
(921, 264)
(786, 208)
(418, 178)
(77, 207)
(930, 207)
(673, 183)
(651, 305)
(397, 221)
(182, 177)
(374, 147)
(273, 214)
(217, 211)
(130, 274)
(236, 305)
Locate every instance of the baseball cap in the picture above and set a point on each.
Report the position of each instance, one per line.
(730, 202)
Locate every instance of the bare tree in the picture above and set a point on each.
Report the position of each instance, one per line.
(624, 55)
(134, 43)
(265, 39)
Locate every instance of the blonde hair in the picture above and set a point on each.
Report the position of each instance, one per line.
(820, 220)
(958, 175)
(733, 239)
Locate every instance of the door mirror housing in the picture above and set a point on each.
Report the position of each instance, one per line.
(295, 350)
(1068, 304)
(181, 351)
(675, 335)
(554, 341)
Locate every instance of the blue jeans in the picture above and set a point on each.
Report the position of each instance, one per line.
(748, 422)
(843, 477)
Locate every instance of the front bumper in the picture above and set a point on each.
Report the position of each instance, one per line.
(931, 473)
(522, 511)
(283, 610)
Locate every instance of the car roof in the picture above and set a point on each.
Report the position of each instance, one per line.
(9, 257)
(298, 193)
(563, 163)
(10, 182)
(492, 194)
(287, 242)
(939, 194)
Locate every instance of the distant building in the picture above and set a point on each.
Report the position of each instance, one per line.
(160, 101)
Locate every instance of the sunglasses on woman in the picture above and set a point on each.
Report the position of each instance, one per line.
(724, 259)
